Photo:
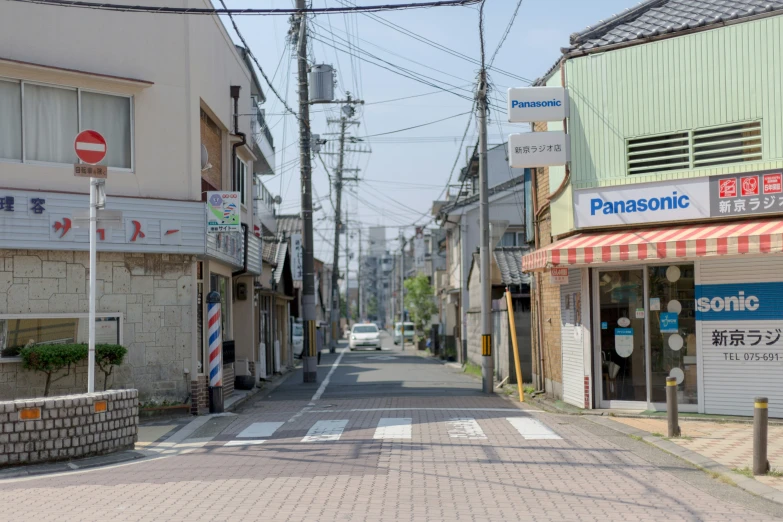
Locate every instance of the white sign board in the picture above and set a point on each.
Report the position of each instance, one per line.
(676, 200)
(558, 276)
(297, 269)
(418, 249)
(537, 104)
(538, 149)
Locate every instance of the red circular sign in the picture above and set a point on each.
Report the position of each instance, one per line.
(90, 147)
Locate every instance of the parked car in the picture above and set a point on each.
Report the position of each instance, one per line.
(365, 335)
(410, 330)
(297, 338)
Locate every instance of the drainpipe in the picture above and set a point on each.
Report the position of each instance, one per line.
(235, 96)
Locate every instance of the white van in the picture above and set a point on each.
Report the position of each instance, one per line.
(410, 329)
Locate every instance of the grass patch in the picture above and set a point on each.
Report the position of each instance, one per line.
(684, 437)
(774, 472)
(472, 369)
(656, 434)
(636, 437)
(743, 471)
(528, 389)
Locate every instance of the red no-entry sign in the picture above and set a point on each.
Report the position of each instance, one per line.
(90, 147)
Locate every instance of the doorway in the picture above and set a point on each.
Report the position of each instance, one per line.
(621, 318)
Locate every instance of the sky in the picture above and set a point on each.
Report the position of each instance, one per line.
(406, 170)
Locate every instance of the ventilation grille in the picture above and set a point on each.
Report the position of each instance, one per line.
(698, 148)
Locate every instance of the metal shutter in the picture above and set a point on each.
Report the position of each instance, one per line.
(572, 349)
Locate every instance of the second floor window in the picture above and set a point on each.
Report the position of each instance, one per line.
(40, 123)
(240, 180)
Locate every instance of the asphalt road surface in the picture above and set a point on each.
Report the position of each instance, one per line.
(388, 436)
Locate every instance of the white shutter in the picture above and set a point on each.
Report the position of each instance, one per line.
(572, 349)
(729, 386)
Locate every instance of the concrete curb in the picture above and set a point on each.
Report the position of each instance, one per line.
(700, 461)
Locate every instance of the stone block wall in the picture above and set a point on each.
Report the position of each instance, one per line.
(152, 292)
(71, 426)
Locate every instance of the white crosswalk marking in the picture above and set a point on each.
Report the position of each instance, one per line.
(260, 429)
(244, 442)
(393, 428)
(325, 431)
(532, 429)
(465, 428)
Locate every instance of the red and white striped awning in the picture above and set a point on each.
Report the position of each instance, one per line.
(745, 237)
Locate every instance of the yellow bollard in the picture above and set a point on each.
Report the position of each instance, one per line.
(513, 327)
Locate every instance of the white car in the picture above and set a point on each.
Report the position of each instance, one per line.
(365, 335)
(297, 339)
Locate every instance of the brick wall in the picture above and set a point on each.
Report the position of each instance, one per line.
(199, 395)
(152, 292)
(61, 428)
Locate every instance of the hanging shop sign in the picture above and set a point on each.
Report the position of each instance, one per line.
(297, 270)
(531, 104)
(223, 212)
(538, 149)
(679, 200)
(418, 249)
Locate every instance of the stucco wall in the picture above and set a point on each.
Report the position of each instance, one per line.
(151, 291)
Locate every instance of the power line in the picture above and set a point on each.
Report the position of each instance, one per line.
(104, 6)
(505, 33)
(418, 126)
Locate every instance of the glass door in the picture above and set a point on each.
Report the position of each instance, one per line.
(672, 293)
(621, 316)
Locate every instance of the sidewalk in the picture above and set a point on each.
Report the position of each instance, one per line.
(730, 444)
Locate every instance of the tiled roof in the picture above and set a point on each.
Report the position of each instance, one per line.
(289, 224)
(282, 251)
(659, 17)
(509, 261)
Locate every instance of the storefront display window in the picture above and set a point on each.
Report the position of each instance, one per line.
(672, 292)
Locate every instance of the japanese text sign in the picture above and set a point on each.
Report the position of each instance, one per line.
(223, 212)
(538, 149)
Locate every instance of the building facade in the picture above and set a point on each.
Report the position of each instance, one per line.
(665, 230)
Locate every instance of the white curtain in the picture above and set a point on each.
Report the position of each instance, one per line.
(110, 115)
(10, 120)
(51, 123)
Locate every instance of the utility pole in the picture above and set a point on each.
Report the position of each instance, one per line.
(359, 276)
(402, 289)
(347, 275)
(310, 365)
(487, 366)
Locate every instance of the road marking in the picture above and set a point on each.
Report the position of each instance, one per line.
(382, 358)
(324, 384)
(532, 429)
(465, 428)
(260, 429)
(508, 410)
(393, 428)
(325, 431)
(244, 442)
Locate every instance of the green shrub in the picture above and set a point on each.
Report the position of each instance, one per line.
(51, 358)
(107, 356)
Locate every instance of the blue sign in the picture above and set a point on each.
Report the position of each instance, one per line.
(604, 325)
(739, 302)
(623, 331)
(670, 322)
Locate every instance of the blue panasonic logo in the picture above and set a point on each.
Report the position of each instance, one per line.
(739, 302)
(628, 206)
(516, 104)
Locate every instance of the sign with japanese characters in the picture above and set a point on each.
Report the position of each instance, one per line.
(558, 276)
(418, 249)
(223, 212)
(297, 270)
(745, 194)
(538, 149)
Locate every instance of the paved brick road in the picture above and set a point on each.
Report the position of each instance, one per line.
(368, 453)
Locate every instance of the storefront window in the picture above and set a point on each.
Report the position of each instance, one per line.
(672, 294)
(219, 284)
(18, 332)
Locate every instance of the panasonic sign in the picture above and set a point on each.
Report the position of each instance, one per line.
(537, 104)
(642, 203)
(739, 302)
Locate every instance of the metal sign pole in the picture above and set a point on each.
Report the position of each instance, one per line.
(93, 270)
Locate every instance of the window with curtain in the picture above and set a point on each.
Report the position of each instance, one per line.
(11, 120)
(51, 123)
(40, 122)
(110, 115)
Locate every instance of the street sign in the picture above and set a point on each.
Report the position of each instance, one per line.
(538, 149)
(532, 104)
(106, 218)
(90, 147)
(297, 269)
(90, 171)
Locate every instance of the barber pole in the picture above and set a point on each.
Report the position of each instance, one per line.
(215, 353)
